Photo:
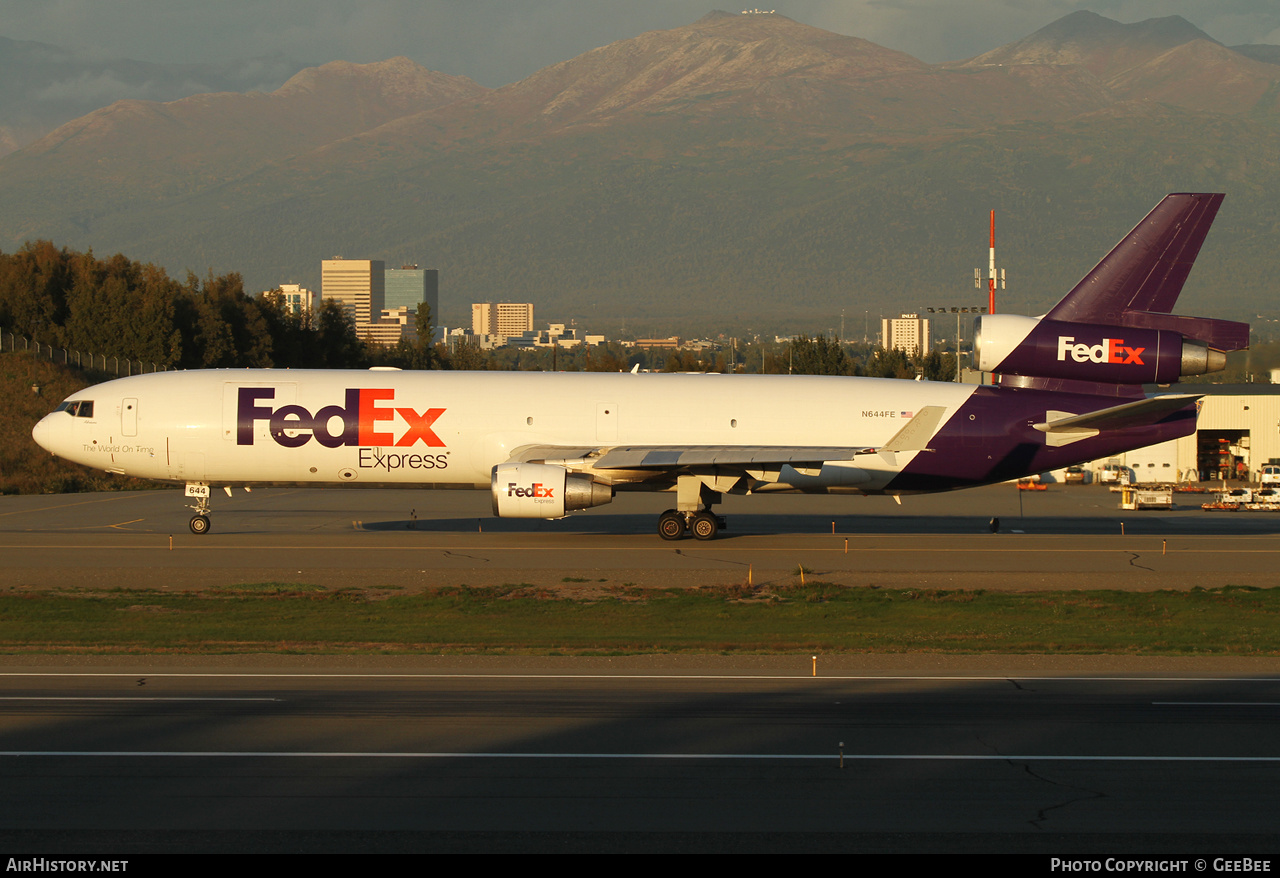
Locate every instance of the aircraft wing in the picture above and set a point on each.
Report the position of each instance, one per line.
(680, 457)
(914, 436)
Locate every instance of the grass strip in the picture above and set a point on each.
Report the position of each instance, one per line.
(522, 619)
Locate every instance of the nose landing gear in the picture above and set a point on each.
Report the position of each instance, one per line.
(200, 521)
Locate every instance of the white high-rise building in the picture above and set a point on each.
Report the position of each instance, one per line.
(501, 319)
(910, 333)
(298, 300)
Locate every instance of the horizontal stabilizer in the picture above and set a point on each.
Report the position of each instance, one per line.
(1221, 335)
(1132, 414)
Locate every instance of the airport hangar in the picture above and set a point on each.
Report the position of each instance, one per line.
(1239, 424)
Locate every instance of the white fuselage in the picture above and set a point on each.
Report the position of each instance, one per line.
(238, 427)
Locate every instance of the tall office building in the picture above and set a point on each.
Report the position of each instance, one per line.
(910, 333)
(357, 284)
(501, 319)
(409, 287)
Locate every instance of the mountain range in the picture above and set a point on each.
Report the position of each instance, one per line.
(45, 86)
(740, 171)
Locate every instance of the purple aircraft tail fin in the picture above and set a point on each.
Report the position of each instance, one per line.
(1146, 270)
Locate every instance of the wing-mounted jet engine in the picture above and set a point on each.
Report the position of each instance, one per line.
(539, 490)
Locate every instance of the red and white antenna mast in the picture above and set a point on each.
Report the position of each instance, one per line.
(991, 271)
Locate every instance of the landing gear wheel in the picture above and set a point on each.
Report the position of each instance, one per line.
(705, 526)
(199, 524)
(671, 525)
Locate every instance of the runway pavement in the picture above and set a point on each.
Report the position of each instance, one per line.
(1067, 537)
(1087, 755)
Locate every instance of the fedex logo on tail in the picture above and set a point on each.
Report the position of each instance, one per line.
(365, 419)
(1112, 350)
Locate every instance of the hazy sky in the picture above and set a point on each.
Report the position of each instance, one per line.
(500, 41)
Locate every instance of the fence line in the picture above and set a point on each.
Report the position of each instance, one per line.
(117, 366)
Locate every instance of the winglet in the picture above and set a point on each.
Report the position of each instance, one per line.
(916, 433)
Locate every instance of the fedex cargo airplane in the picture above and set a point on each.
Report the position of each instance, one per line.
(546, 444)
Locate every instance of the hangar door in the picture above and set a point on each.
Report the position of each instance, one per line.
(1223, 455)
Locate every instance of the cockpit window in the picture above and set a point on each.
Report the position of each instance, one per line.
(77, 408)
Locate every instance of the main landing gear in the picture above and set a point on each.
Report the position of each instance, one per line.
(703, 525)
(693, 514)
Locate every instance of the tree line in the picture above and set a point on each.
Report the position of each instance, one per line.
(823, 356)
(120, 307)
(123, 308)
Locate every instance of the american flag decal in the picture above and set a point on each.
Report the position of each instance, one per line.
(907, 415)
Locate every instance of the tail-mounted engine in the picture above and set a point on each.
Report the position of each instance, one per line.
(1010, 344)
(539, 490)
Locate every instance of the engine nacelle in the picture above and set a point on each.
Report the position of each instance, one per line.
(540, 490)
(1013, 345)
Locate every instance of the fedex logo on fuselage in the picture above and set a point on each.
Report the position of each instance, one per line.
(1112, 350)
(357, 422)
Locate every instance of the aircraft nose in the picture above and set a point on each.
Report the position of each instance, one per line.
(45, 433)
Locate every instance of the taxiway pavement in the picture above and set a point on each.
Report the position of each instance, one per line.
(1067, 537)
